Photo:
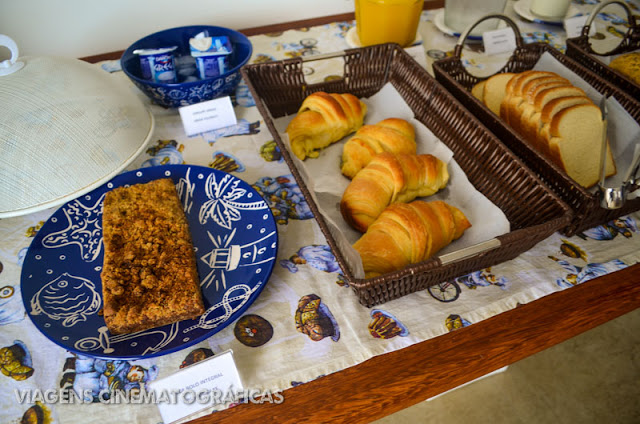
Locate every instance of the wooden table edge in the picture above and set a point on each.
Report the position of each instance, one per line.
(394, 381)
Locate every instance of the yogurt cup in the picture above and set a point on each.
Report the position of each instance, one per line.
(210, 66)
(158, 64)
(212, 55)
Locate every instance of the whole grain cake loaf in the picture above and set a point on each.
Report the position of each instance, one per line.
(149, 276)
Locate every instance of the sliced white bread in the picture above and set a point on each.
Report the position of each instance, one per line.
(528, 108)
(508, 93)
(478, 89)
(526, 104)
(494, 91)
(514, 96)
(548, 112)
(532, 122)
(556, 117)
(575, 143)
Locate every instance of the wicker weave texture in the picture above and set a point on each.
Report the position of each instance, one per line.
(580, 50)
(533, 210)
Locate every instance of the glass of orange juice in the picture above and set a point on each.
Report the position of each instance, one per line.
(387, 21)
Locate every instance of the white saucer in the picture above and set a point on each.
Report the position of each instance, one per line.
(439, 23)
(353, 41)
(523, 9)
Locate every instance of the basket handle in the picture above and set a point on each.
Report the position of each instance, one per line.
(323, 56)
(463, 37)
(470, 251)
(587, 26)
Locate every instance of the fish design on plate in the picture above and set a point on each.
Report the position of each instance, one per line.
(67, 298)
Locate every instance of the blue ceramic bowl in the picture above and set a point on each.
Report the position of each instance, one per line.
(186, 93)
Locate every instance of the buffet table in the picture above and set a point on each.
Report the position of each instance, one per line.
(362, 363)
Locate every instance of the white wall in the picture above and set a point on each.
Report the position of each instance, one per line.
(77, 28)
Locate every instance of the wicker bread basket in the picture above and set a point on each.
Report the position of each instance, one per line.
(534, 211)
(581, 51)
(585, 204)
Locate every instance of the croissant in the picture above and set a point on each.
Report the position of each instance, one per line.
(408, 233)
(390, 178)
(323, 119)
(389, 135)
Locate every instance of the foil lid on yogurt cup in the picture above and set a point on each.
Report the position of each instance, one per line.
(211, 53)
(147, 52)
(201, 44)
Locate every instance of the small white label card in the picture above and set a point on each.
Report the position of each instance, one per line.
(208, 116)
(574, 26)
(205, 384)
(499, 41)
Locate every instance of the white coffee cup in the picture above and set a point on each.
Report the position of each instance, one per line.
(550, 8)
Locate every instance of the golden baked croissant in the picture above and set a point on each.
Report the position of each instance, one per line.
(390, 178)
(389, 135)
(324, 118)
(408, 233)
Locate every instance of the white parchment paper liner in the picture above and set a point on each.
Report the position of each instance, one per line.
(326, 183)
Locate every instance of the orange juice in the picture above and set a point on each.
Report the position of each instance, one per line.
(387, 21)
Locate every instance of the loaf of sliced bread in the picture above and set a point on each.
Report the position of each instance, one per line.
(555, 117)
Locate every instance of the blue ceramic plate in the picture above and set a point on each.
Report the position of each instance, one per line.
(236, 242)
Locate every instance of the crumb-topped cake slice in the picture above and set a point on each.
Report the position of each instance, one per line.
(149, 276)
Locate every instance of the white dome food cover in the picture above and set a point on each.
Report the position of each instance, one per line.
(66, 127)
